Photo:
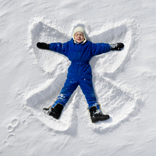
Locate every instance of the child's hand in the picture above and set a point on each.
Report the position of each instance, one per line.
(43, 45)
(117, 46)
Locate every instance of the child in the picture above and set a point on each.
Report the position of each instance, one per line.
(79, 51)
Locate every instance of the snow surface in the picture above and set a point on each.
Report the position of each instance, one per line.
(124, 82)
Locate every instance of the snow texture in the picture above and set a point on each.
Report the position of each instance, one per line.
(31, 78)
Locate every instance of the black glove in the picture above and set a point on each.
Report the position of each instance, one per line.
(117, 46)
(43, 45)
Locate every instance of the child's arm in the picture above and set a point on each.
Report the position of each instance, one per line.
(57, 47)
(100, 48)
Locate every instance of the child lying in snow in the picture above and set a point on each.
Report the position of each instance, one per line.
(79, 51)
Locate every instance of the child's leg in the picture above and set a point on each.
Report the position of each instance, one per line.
(69, 87)
(94, 109)
(88, 90)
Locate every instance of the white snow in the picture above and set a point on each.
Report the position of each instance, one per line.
(30, 79)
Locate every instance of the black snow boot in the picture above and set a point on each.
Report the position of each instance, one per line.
(55, 111)
(96, 115)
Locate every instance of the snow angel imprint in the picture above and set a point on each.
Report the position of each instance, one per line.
(79, 51)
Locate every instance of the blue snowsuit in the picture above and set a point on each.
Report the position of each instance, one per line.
(79, 72)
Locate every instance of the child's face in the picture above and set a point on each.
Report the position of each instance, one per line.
(79, 37)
